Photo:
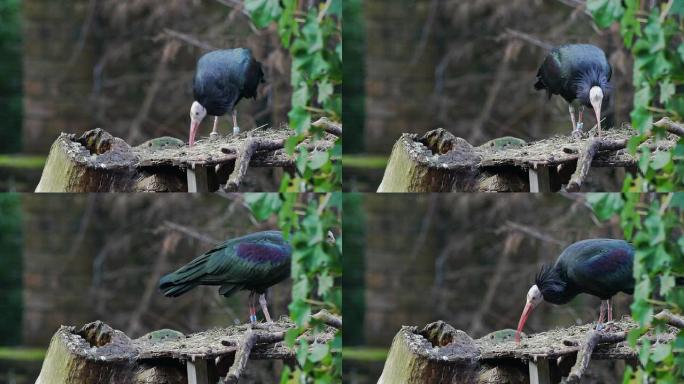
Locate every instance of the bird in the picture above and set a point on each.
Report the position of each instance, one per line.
(599, 267)
(580, 73)
(253, 262)
(222, 79)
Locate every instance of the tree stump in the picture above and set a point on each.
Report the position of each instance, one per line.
(435, 162)
(99, 354)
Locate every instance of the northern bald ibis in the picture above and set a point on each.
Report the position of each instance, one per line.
(580, 73)
(599, 267)
(222, 78)
(254, 263)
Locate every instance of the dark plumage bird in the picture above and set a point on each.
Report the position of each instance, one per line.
(221, 80)
(599, 267)
(580, 73)
(254, 262)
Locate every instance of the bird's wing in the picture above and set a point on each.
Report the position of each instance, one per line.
(604, 268)
(248, 262)
(550, 74)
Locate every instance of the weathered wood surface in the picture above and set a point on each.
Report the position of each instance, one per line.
(441, 162)
(99, 162)
(440, 354)
(98, 353)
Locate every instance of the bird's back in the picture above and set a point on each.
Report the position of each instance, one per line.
(223, 77)
(253, 262)
(564, 64)
(601, 267)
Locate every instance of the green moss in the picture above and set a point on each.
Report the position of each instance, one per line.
(364, 353)
(364, 161)
(22, 354)
(20, 161)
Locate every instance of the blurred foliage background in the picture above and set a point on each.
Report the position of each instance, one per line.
(467, 259)
(468, 67)
(90, 257)
(126, 67)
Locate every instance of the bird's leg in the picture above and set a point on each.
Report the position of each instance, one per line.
(571, 109)
(610, 309)
(580, 120)
(214, 132)
(602, 312)
(264, 307)
(252, 308)
(236, 129)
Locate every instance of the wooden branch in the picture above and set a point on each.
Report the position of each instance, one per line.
(670, 126)
(670, 319)
(329, 126)
(248, 341)
(248, 149)
(593, 339)
(586, 156)
(328, 318)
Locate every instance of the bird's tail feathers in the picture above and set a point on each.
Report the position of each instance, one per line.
(184, 279)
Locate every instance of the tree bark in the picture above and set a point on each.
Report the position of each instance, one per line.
(423, 164)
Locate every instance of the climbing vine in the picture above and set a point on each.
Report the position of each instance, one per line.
(308, 220)
(653, 31)
(653, 224)
(313, 36)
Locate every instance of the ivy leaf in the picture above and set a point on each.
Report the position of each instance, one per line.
(318, 352)
(661, 159)
(263, 12)
(667, 282)
(325, 282)
(300, 119)
(318, 159)
(667, 89)
(302, 352)
(325, 89)
(661, 352)
(605, 12)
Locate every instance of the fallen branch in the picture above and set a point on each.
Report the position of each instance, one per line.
(249, 340)
(670, 126)
(670, 319)
(586, 156)
(328, 318)
(593, 339)
(328, 126)
(248, 149)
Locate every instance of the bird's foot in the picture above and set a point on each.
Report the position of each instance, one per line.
(213, 136)
(253, 319)
(236, 130)
(600, 326)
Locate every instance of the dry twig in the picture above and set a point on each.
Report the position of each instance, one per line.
(248, 149)
(593, 339)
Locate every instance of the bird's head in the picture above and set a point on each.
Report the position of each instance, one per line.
(330, 238)
(593, 89)
(534, 298)
(197, 114)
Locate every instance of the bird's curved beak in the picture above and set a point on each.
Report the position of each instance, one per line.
(523, 318)
(596, 98)
(194, 125)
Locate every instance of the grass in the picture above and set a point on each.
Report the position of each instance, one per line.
(22, 354)
(364, 161)
(364, 354)
(22, 161)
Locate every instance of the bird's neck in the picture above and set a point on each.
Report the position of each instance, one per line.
(585, 80)
(554, 286)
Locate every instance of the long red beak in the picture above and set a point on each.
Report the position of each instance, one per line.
(194, 125)
(523, 318)
(597, 112)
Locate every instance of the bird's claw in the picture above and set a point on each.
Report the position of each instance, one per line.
(236, 130)
(213, 136)
(600, 326)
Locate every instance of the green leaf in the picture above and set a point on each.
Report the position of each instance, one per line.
(667, 282)
(667, 89)
(263, 12)
(661, 352)
(318, 159)
(302, 352)
(605, 205)
(325, 89)
(300, 119)
(325, 282)
(318, 352)
(660, 160)
(605, 12)
(300, 290)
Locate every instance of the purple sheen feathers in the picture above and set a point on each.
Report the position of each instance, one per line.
(611, 261)
(262, 253)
